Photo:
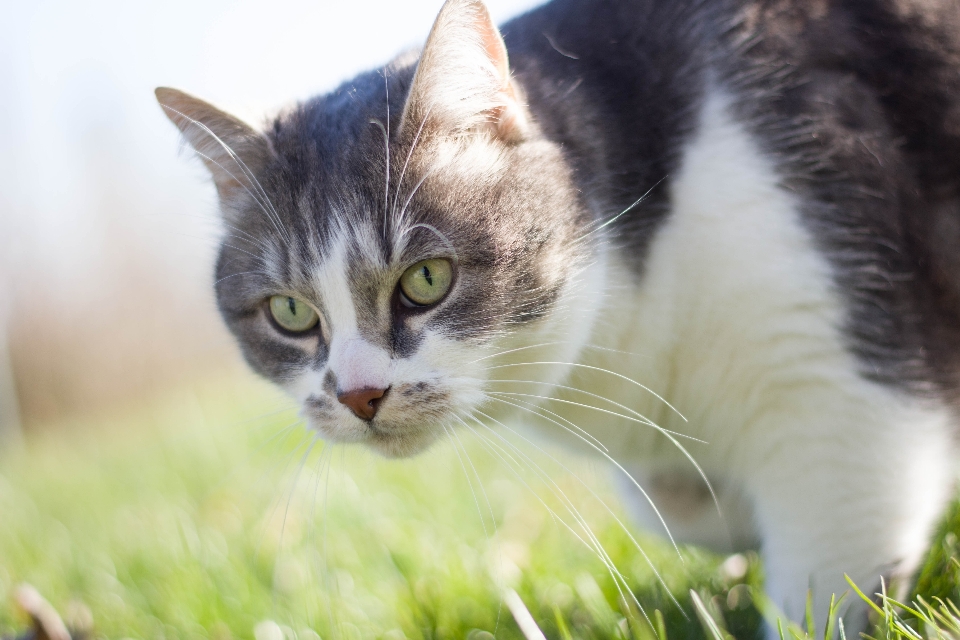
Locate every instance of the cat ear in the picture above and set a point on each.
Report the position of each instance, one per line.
(232, 150)
(463, 80)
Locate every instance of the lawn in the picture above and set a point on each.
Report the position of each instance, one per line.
(210, 513)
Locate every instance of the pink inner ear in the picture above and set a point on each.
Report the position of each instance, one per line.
(463, 77)
(509, 119)
(495, 48)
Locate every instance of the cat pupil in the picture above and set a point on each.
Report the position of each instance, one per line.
(427, 275)
(293, 305)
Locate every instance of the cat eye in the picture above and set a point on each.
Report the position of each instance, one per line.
(426, 282)
(293, 315)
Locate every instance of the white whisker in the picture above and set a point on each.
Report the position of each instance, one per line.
(594, 545)
(602, 502)
(493, 520)
(403, 210)
(483, 521)
(669, 434)
(639, 416)
(601, 370)
(265, 203)
(532, 408)
(293, 488)
(276, 503)
(436, 232)
(624, 212)
(503, 353)
(406, 162)
(630, 477)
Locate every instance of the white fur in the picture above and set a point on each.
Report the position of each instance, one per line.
(736, 322)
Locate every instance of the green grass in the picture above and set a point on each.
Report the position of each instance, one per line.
(189, 519)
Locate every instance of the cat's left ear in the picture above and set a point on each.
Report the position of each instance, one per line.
(462, 82)
(233, 151)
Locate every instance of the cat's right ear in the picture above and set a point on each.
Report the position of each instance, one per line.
(462, 82)
(233, 151)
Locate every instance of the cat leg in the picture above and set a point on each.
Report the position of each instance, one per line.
(685, 502)
(863, 505)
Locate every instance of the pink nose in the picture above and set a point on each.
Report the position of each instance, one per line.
(363, 402)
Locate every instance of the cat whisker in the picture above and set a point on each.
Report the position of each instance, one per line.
(476, 500)
(403, 210)
(272, 213)
(594, 545)
(503, 353)
(386, 191)
(436, 232)
(247, 421)
(619, 351)
(624, 212)
(639, 417)
(626, 474)
(510, 316)
(386, 144)
(252, 255)
(582, 433)
(242, 463)
(281, 437)
(493, 447)
(276, 503)
(322, 467)
(241, 273)
(602, 502)
(326, 563)
(208, 241)
(598, 369)
(666, 433)
(506, 457)
(321, 459)
(493, 520)
(241, 239)
(250, 237)
(403, 172)
(243, 235)
(261, 198)
(293, 488)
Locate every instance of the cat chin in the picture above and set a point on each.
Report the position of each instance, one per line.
(405, 445)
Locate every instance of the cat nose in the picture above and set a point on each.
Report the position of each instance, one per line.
(363, 402)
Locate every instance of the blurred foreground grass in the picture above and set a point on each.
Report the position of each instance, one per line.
(203, 515)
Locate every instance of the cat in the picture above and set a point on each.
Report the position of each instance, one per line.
(715, 241)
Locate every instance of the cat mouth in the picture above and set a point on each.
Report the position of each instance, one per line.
(400, 442)
(398, 430)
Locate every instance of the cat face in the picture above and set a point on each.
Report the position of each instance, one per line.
(387, 241)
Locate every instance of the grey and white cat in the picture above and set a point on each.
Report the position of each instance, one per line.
(748, 207)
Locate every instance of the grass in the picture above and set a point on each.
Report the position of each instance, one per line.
(187, 519)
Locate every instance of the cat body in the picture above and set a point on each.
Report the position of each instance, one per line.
(712, 241)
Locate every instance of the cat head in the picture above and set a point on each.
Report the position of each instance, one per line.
(386, 243)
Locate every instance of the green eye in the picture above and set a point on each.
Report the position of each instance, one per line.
(427, 281)
(292, 314)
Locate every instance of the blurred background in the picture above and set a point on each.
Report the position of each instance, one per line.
(107, 227)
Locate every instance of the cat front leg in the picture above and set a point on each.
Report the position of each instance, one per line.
(832, 502)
